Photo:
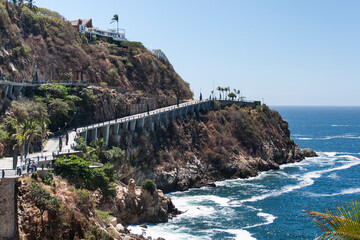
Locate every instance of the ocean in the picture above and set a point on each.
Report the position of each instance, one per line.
(270, 205)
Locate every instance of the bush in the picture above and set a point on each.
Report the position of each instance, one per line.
(115, 155)
(52, 90)
(149, 185)
(77, 170)
(217, 105)
(48, 179)
(43, 200)
(85, 199)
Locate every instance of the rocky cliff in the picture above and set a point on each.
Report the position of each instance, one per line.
(46, 211)
(221, 144)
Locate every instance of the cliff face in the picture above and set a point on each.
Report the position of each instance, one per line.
(45, 40)
(65, 212)
(231, 143)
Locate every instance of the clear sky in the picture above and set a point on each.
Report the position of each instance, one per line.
(288, 52)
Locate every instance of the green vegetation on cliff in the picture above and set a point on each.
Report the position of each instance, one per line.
(44, 39)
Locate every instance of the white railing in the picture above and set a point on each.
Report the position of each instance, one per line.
(138, 116)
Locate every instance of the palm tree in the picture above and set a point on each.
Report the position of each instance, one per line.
(20, 137)
(344, 224)
(30, 4)
(32, 131)
(99, 148)
(219, 89)
(116, 19)
(239, 94)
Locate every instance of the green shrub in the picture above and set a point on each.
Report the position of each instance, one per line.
(103, 215)
(77, 170)
(217, 105)
(48, 179)
(43, 200)
(115, 155)
(85, 198)
(149, 185)
(52, 90)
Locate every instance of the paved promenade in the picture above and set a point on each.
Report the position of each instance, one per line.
(140, 115)
(51, 146)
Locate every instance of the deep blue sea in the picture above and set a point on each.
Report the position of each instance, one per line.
(270, 206)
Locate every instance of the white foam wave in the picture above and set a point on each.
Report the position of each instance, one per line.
(329, 137)
(269, 218)
(333, 176)
(241, 234)
(197, 206)
(304, 138)
(305, 180)
(165, 231)
(343, 192)
(334, 125)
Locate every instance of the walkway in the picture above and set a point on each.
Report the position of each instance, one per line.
(31, 83)
(141, 120)
(51, 149)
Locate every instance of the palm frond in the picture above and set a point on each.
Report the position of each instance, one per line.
(343, 224)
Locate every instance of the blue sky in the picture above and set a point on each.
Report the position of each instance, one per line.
(287, 52)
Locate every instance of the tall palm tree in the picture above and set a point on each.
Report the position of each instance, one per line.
(116, 19)
(31, 5)
(20, 137)
(343, 224)
(239, 94)
(32, 131)
(219, 89)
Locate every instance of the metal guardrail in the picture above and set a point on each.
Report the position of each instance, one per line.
(31, 82)
(140, 115)
(14, 173)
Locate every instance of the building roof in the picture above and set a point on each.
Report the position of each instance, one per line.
(86, 22)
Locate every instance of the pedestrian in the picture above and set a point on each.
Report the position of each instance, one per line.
(35, 166)
(18, 171)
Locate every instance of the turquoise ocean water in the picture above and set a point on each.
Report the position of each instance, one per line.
(270, 205)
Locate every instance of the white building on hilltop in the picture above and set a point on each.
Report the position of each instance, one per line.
(85, 26)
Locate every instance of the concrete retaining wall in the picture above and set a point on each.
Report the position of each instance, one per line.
(8, 209)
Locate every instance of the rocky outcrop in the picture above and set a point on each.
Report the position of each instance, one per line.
(231, 143)
(75, 217)
(135, 205)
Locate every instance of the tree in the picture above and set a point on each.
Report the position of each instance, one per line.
(219, 89)
(31, 6)
(239, 94)
(99, 148)
(226, 90)
(32, 131)
(115, 155)
(116, 19)
(343, 224)
(232, 96)
(59, 113)
(20, 137)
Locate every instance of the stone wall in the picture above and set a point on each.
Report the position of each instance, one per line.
(8, 219)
